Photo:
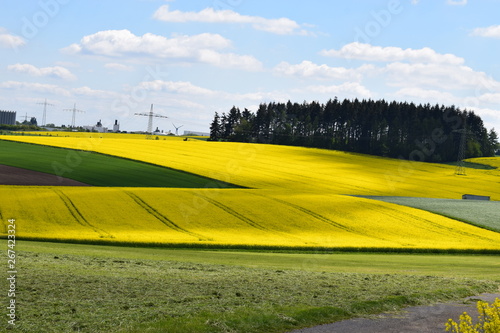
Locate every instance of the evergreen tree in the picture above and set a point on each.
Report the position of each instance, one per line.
(395, 129)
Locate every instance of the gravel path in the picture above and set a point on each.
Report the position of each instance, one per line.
(415, 319)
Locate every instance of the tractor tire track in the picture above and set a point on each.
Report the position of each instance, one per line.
(78, 216)
(162, 218)
(322, 218)
(247, 220)
(234, 213)
(311, 213)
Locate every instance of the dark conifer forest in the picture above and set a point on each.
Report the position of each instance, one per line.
(394, 129)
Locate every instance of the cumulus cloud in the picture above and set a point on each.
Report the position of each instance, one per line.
(440, 76)
(426, 95)
(118, 67)
(95, 93)
(348, 89)
(191, 91)
(281, 26)
(203, 48)
(8, 40)
(491, 31)
(180, 87)
(57, 72)
(38, 87)
(308, 69)
(367, 52)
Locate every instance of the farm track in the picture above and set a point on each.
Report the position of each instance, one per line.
(326, 220)
(78, 216)
(234, 213)
(162, 218)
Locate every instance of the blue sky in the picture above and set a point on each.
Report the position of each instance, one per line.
(192, 58)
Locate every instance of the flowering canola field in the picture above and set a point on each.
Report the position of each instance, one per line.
(295, 197)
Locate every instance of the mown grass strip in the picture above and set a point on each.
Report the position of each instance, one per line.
(253, 247)
(98, 169)
(96, 293)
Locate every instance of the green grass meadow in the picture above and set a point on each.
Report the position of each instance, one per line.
(98, 169)
(93, 288)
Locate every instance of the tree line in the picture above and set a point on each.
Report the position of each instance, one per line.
(377, 127)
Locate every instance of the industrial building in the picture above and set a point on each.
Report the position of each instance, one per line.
(7, 117)
(116, 127)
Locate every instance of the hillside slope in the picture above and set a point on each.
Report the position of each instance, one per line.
(298, 197)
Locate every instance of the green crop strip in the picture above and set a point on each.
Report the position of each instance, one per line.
(98, 169)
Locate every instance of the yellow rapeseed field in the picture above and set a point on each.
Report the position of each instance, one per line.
(231, 217)
(294, 197)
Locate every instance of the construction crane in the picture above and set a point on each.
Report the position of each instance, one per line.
(44, 118)
(177, 129)
(74, 110)
(150, 121)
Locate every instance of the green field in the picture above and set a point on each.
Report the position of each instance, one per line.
(97, 169)
(67, 288)
(477, 212)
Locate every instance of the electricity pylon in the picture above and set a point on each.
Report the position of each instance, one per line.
(460, 169)
(177, 129)
(74, 110)
(26, 117)
(44, 117)
(150, 114)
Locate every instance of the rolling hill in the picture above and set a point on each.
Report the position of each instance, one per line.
(294, 198)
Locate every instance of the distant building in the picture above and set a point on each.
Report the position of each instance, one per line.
(7, 117)
(196, 133)
(97, 128)
(116, 127)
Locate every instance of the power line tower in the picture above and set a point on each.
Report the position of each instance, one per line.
(74, 110)
(177, 129)
(460, 170)
(44, 117)
(150, 114)
(26, 117)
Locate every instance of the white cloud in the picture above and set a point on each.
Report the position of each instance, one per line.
(308, 69)
(201, 48)
(57, 72)
(180, 87)
(95, 93)
(441, 76)
(348, 89)
(281, 26)
(369, 52)
(426, 95)
(8, 40)
(118, 67)
(193, 92)
(491, 31)
(38, 87)
(456, 2)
